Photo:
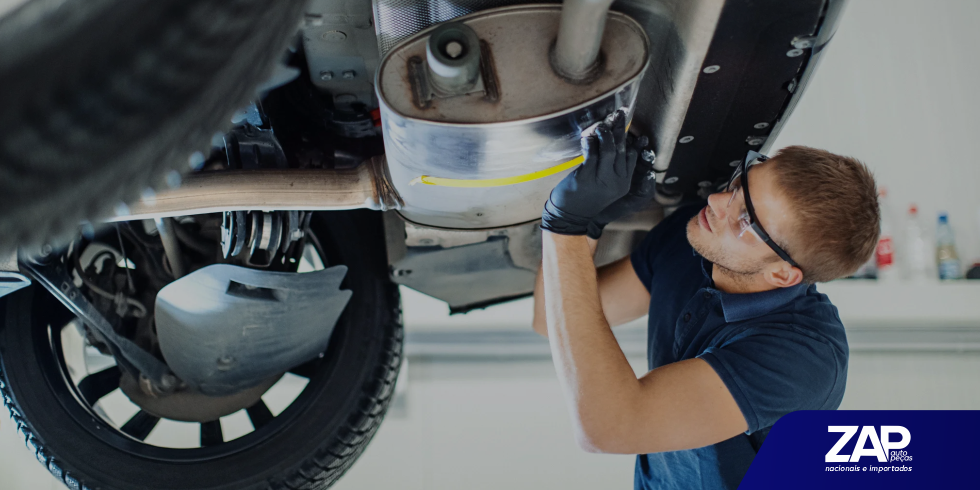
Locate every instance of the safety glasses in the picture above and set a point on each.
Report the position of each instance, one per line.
(741, 213)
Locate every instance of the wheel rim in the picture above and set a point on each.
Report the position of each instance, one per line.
(85, 395)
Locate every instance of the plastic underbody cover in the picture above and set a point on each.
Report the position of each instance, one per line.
(225, 328)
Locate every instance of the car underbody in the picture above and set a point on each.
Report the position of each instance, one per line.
(397, 143)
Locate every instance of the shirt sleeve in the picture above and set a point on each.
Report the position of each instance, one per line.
(778, 371)
(666, 233)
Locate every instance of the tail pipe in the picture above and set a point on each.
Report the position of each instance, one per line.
(576, 55)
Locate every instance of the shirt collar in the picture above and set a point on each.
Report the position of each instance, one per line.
(739, 307)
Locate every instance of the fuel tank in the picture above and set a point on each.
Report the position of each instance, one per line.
(479, 127)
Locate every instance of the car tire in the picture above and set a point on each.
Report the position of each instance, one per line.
(104, 99)
(347, 397)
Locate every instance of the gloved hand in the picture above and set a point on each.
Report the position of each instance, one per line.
(602, 179)
(642, 190)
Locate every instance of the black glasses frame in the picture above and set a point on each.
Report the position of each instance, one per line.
(743, 171)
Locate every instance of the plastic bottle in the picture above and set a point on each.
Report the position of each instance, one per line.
(917, 260)
(885, 253)
(947, 261)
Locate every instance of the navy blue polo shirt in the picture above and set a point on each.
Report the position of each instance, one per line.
(777, 351)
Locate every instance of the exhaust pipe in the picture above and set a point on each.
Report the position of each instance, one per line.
(576, 53)
(366, 186)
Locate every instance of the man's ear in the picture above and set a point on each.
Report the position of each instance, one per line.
(783, 275)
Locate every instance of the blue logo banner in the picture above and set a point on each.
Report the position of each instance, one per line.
(868, 449)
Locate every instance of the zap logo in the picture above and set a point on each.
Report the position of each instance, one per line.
(886, 448)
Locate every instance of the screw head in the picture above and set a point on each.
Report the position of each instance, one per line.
(349, 74)
(326, 75)
(686, 139)
(762, 125)
(793, 53)
(671, 180)
(711, 69)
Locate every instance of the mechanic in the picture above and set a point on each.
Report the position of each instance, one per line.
(738, 335)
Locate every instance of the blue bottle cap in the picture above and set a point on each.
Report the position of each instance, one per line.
(943, 217)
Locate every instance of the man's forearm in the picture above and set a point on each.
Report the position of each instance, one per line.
(595, 375)
(539, 321)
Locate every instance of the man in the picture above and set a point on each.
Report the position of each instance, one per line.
(738, 334)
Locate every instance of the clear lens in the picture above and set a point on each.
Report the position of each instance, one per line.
(738, 216)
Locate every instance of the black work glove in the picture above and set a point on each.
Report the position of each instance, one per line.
(602, 179)
(642, 190)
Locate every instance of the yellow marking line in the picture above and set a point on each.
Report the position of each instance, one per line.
(517, 179)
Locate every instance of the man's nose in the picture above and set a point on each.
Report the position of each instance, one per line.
(718, 202)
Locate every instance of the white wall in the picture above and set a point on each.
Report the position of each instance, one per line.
(897, 90)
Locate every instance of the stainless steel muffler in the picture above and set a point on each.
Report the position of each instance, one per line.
(482, 116)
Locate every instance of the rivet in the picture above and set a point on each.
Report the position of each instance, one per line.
(793, 53)
(671, 180)
(349, 74)
(762, 125)
(711, 69)
(755, 141)
(326, 75)
(686, 139)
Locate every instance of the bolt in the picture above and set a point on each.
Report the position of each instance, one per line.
(734, 163)
(686, 139)
(793, 53)
(326, 75)
(711, 69)
(648, 156)
(349, 74)
(762, 125)
(671, 180)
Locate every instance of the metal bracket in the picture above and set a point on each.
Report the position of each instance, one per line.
(54, 278)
